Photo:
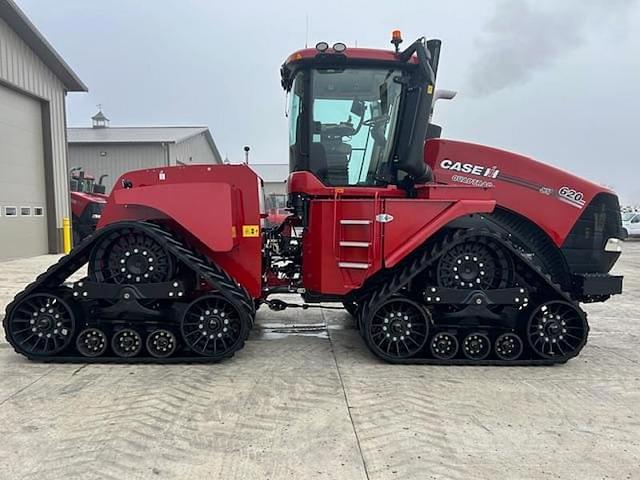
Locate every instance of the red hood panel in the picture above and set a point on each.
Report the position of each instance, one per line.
(550, 197)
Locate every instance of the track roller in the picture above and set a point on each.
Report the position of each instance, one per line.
(557, 329)
(161, 343)
(508, 346)
(126, 343)
(91, 342)
(214, 327)
(444, 346)
(41, 324)
(476, 346)
(397, 328)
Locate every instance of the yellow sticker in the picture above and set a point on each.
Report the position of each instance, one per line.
(251, 230)
(430, 89)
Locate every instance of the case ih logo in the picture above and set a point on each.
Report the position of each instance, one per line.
(479, 170)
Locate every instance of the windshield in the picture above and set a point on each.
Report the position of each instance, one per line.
(342, 130)
(86, 185)
(627, 216)
(276, 201)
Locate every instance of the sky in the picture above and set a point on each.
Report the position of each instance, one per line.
(554, 80)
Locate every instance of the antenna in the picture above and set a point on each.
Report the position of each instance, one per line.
(246, 154)
(306, 35)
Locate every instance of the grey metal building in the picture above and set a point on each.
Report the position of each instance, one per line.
(34, 185)
(274, 176)
(103, 150)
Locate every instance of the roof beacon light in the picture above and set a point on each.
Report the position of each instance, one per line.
(339, 47)
(396, 39)
(322, 46)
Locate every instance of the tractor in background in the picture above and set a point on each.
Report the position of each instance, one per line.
(88, 199)
(276, 205)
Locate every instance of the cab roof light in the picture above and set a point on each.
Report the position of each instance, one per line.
(396, 39)
(339, 47)
(322, 46)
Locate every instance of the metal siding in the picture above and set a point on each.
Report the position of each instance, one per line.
(119, 159)
(193, 150)
(22, 69)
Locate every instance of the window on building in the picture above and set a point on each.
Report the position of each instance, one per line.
(10, 211)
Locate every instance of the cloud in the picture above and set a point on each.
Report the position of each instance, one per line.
(522, 38)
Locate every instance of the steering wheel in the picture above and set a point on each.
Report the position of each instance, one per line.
(374, 121)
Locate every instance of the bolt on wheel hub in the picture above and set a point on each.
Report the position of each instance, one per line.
(557, 329)
(91, 342)
(444, 346)
(476, 346)
(161, 343)
(41, 324)
(126, 343)
(398, 328)
(211, 326)
(508, 346)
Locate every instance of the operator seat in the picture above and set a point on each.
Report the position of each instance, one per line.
(318, 161)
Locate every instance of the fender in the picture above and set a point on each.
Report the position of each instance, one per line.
(178, 202)
(424, 227)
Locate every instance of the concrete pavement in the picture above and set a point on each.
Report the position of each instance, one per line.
(316, 404)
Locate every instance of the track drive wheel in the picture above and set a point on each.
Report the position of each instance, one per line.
(40, 324)
(214, 327)
(396, 329)
(475, 265)
(557, 330)
(130, 256)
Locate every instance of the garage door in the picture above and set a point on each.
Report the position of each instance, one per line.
(23, 225)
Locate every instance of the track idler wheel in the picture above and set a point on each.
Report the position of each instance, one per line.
(126, 343)
(91, 342)
(396, 329)
(476, 346)
(508, 346)
(557, 330)
(214, 327)
(41, 324)
(161, 343)
(444, 346)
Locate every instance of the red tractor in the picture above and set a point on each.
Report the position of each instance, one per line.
(276, 204)
(445, 252)
(87, 202)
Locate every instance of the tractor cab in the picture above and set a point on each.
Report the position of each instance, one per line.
(83, 183)
(359, 117)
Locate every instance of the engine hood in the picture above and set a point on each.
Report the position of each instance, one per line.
(549, 196)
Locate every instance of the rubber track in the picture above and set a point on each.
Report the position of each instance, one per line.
(427, 257)
(213, 275)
